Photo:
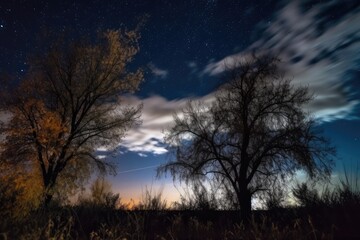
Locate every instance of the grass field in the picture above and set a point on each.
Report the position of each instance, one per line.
(327, 214)
(100, 223)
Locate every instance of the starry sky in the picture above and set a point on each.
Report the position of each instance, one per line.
(183, 49)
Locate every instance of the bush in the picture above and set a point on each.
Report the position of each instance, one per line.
(101, 196)
(306, 196)
(198, 198)
(345, 195)
(151, 201)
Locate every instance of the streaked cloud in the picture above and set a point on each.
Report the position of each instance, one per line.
(316, 51)
(162, 73)
(318, 48)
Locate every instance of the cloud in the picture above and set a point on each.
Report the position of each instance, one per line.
(157, 116)
(318, 51)
(157, 71)
(192, 65)
(142, 154)
(194, 68)
(319, 47)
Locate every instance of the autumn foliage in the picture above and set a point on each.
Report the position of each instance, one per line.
(66, 107)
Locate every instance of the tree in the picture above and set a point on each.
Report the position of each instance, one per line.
(255, 132)
(68, 106)
(101, 195)
(20, 191)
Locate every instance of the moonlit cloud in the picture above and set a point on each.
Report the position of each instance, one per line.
(157, 117)
(158, 71)
(317, 48)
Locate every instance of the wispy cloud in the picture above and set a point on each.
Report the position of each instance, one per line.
(318, 48)
(162, 73)
(192, 64)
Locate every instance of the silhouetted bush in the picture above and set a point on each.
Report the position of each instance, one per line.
(101, 195)
(150, 200)
(198, 198)
(344, 195)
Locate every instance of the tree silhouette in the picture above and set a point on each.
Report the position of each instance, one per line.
(68, 106)
(101, 195)
(255, 132)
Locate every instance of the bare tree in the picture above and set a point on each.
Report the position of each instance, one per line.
(254, 132)
(68, 106)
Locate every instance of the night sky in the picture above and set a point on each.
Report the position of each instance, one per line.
(183, 48)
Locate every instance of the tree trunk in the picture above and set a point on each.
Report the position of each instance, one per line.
(48, 187)
(49, 183)
(47, 200)
(245, 205)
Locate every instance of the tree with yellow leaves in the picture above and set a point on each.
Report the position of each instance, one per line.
(68, 106)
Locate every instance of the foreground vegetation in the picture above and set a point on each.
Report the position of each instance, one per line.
(90, 223)
(331, 214)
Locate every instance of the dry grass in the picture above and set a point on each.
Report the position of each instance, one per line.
(114, 224)
(330, 215)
